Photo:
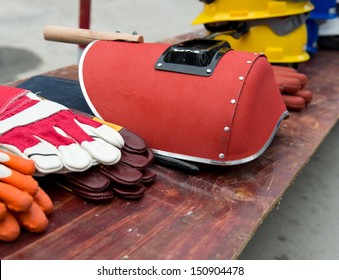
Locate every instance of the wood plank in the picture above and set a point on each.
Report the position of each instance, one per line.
(211, 215)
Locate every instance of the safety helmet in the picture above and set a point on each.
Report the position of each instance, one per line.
(288, 48)
(331, 27)
(323, 9)
(230, 10)
(321, 21)
(329, 34)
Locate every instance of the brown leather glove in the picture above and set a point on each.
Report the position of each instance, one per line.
(127, 179)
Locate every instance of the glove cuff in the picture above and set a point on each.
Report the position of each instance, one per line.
(10, 95)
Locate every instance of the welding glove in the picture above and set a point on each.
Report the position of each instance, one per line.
(23, 204)
(57, 140)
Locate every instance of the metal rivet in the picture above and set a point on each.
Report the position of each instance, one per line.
(159, 64)
(208, 70)
(221, 155)
(233, 101)
(226, 129)
(241, 78)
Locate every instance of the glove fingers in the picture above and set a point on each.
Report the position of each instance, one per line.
(138, 161)
(305, 94)
(43, 200)
(22, 165)
(135, 160)
(129, 192)
(70, 154)
(90, 185)
(3, 211)
(75, 158)
(148, 176)
(34, 219)
(9, 228)
(133, 142)
(100, 142)
(49, 159)
(149, 155)
(52, 149)
(283, 73)
(96, 129)
(106, 142)
(91, 123)
(32, 125)
(15, 199)
(102, 151)
(288, 84)
(293, 102)
(121, 174)
(45, 156)
(20, 181)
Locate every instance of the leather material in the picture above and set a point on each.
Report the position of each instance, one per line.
(137, 160)
(90, 185)
(135, 143)
(121, 174)
(104, 182)
(127, 179)
(91, 181)
(227, 118)
(133, 192)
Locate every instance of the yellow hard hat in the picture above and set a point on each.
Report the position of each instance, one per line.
(288, 48)
(230, 10)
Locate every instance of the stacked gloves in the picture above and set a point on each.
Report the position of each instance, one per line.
(292, 85)
(91, 158)
(23, 204)
(127, 179)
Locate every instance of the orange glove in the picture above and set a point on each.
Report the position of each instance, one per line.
(23, 204)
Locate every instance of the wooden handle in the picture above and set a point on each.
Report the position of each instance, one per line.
(84, 36)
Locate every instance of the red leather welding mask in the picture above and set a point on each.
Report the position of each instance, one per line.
(197, 100)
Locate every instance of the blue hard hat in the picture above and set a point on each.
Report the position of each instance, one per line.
(323, 9)
(312, 36)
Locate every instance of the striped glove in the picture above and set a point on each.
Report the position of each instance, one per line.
(57, 140)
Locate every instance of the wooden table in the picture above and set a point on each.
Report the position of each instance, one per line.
(211, 215)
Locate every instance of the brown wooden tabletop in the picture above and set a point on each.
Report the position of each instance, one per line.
(211, 215)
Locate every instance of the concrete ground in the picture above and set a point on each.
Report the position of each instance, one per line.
(306, 224)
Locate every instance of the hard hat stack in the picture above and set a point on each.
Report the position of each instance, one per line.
(274, 27)
(329, 32)
(322, 21)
